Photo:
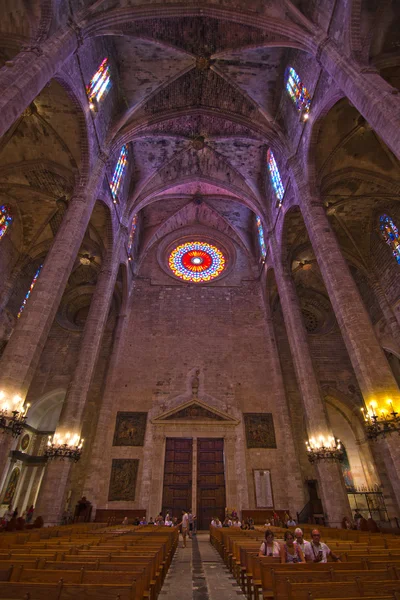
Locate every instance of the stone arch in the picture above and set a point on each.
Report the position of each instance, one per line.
(44, 413)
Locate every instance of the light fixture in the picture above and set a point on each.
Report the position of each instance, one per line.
(381, 425)
(324, 449)
(12, 414)
(64, 447)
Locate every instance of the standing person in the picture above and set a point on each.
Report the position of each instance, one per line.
(357, 518)
(269, 547)
(319, 550)
(291, 552)
(185, 526)
(15, 513)
(190, 518)
(303, 544)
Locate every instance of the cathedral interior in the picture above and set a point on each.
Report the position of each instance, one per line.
(199, 250)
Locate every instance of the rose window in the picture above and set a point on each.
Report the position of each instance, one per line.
(196, 261)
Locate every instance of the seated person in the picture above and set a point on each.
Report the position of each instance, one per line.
(143, 521)
(291, 552)
(303, 544)
(319, 550)
(236, 522)
(151, 522)
(217, 523)
(227, 522)
(291, 522)
(125, 521)
(269, 547)
(168, 522)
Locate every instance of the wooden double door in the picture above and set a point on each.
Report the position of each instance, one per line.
(207, 472)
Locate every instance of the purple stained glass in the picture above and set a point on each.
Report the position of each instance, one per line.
(297, 91)
(28, 293)
(261, 239)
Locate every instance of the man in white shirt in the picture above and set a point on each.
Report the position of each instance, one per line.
(304, 545)
(185, 525)
(319, 550)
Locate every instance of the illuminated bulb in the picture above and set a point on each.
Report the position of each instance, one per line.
(67, 436)
(305, 117)
(92, 106)
(129, 257)
(2, 394)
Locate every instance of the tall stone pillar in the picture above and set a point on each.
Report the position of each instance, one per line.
(24, 77)
(329, 475)
(372, 370)
(94, 483)
(373, 97)
(22, 353)
(292, 469)
(54, 485)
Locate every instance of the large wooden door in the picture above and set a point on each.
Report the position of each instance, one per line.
(177, 489)
(210, 481)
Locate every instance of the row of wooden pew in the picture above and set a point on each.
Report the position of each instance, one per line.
(90, 562)
(370, 566)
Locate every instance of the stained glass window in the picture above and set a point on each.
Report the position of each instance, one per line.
(275, 176)
(196, 262)
(390, 234)
(297, 91)
(5, 219)
(119, 172)
(261, 239)
(100, 82)
(28, 293)
(132, 233)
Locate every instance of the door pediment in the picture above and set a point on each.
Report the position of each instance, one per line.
(194, 411)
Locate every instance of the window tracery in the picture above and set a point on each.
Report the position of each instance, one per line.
(390, 234)
(100, 83)
(297, 91)
(275, 176)
(5, 219)
(28, 293)
(119, 172)
(261, 239)
(132, 233)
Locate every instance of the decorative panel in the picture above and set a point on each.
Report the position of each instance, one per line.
(130, 429)
(260, 431)
(123, 479)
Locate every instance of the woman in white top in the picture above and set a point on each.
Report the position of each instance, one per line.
(270, 547)
(237, 523)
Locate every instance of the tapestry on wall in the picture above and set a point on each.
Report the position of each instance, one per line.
(260, 432)
(123, 479)
(130, 429)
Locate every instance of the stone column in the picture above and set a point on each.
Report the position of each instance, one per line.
(373, 97)
(54, 485)
(94, 483)
(24, 77)
(329, 475)
(22, 353)
(372, 370)
(292, 468)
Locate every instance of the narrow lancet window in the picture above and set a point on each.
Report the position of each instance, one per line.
(297, 91)
(5, 219)
(261, 239)
(28, 293)
(390, 234)
(132, 234)
(275, 176)
(119, 172)
(99, 84)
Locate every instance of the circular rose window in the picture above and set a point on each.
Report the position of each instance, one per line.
(196, 261)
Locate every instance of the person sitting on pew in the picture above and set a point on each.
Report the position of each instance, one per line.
(269, 547)
(291, 522)
(168, 522)
(303, 544)
(319, 550)
(125, 521)
(291, 552)
(143, 521)
(236, 523)
(151, 522)
(227, 522)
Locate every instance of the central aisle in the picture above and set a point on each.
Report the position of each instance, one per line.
(198, 573)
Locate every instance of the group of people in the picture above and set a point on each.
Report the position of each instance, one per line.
(360, 522)
(233, 522)
(295, 549)
(10, 520)
(276, 521)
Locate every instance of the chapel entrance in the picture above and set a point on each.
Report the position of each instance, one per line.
(210, 481)
(178, 468)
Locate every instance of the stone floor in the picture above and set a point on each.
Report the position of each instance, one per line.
(198, 573)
